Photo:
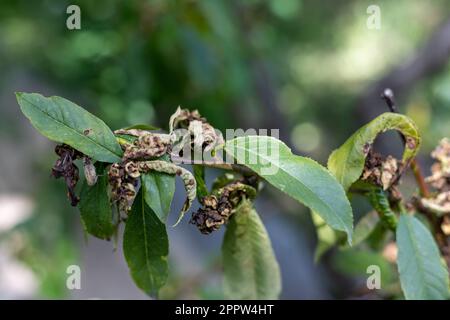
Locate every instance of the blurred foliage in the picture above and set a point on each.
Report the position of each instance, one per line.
(136, 61)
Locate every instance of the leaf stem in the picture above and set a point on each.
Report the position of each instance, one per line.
(217, 165)
(423, 189)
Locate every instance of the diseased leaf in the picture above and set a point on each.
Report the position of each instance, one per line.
(423, 275)
(347, 162)
(199, 174)
(250, 268)
(222, 180)
(63, 121)
(95, 208)
(160, 188)
(302, 178)
(146, 246)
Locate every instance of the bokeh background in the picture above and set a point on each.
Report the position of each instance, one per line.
(313, 69)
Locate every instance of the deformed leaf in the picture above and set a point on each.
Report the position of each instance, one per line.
(250, 268)
(223, 180)
(379, 201)
(422, 272)
(63, 121)
(347, 162)
(146, 246)
(302, 178)
(95, 208)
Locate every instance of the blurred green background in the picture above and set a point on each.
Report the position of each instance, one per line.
(312, 69)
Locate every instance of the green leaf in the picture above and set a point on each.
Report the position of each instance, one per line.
(380, 202)
(347, 162)
(159, 191)
(146, 246)
(63, 121)
(199, 174)
(302, 178)
(250, 268)
(95, 208)
(423, 275)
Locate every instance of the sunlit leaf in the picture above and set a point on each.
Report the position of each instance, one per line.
(302, 178)
(63, 121)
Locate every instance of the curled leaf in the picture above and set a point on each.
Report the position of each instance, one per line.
(66, 168)
(347, 162)
(218, 208)
(380, 203)
(146, 146)
(182, 118)
(440, 204)
(439, 180)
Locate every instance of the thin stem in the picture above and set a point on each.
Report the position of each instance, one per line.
(423, 189)
(217, 165)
